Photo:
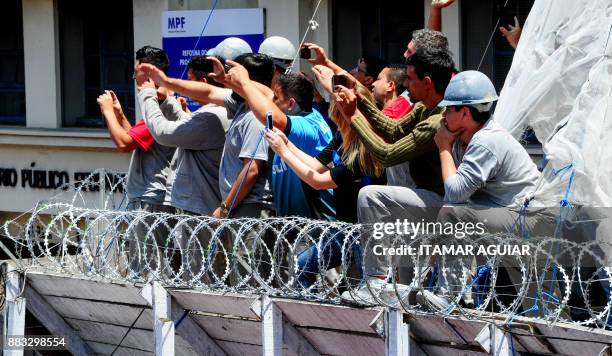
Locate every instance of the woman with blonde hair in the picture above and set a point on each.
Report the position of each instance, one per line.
(345, 165)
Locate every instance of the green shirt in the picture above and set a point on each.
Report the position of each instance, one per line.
(409, 139)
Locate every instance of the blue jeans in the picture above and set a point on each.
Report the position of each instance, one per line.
(309, 263)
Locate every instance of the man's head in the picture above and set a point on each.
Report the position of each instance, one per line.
(293, 94)
(389, 83)
(425, 39)
(259, 66)
(151, 55)
(197, 71)
(429, 72)
(468, 100)
(367, 69)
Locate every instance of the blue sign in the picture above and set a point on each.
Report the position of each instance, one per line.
(185, 36)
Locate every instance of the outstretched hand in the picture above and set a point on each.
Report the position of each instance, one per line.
(237, 76)
(277, 141)
(218, 72)
(512, 33)
(320, 56)
(156, 74)
(324, 75)
(440, 4)
(105, 101)
(346, 100)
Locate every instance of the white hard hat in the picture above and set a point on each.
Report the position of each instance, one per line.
(278, 48)
(232, 47)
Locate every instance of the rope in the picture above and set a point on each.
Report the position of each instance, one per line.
(312, 24)
(490, 39)
(201, 34)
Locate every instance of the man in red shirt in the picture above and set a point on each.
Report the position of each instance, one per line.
(387, 89)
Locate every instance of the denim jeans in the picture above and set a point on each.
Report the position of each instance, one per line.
(309, 260)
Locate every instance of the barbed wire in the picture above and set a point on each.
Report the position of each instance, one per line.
(559, 280)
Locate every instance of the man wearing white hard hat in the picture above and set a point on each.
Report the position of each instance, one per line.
(282, 52)
(230, 48)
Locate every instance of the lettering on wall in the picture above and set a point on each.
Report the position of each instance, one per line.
(55, 179)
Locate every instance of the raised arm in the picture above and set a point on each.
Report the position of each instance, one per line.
(238, 77)
(322, 59)
(392, 130)
(119, 135)
(313, 177)
(435, 15)
(199, 91)
(415, 143)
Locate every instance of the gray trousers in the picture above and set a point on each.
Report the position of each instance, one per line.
(257, 243)
(380, 203)
(145, 251)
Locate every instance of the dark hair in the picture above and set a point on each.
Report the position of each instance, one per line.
(436, 64)
(298, 87)
(480, 117)
(374, 65)
(425, 38)
(197, 64)
(259, 66)
(397, 74)
(154, 56)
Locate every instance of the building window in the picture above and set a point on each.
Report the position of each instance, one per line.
(496, 61)
(374, 28)
(12, 80)
(97, 46)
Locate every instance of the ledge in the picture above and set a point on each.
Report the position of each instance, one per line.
(58, 138)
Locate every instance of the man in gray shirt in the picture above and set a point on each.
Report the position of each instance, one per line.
(244, 173)
(482, 164)
(149, 165)
(193, 184)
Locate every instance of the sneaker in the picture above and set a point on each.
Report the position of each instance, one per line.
(432, 301)
(376, 291)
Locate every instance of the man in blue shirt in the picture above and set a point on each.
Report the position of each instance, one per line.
(306, 128)
(292, 113)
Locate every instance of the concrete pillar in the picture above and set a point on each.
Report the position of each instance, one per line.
(147, 29)
(164, 326)
(14, 309)
(42, 64)
(397, 339)
(271, 328)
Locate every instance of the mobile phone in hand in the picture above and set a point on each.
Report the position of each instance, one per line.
(339, 79)
(269, 123)
(305, 53)
(208, 66)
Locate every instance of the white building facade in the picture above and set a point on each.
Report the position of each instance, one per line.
(58, 55)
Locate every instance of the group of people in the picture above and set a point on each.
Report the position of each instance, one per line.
(413, 141)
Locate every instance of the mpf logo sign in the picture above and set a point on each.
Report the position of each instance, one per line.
(182, 31)
(176, 22)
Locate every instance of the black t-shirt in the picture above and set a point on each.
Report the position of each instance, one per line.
(349, 181)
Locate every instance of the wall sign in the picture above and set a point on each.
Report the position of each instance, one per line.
(182, 30)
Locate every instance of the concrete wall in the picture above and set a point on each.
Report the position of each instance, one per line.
(42, 66)
(57, 163)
